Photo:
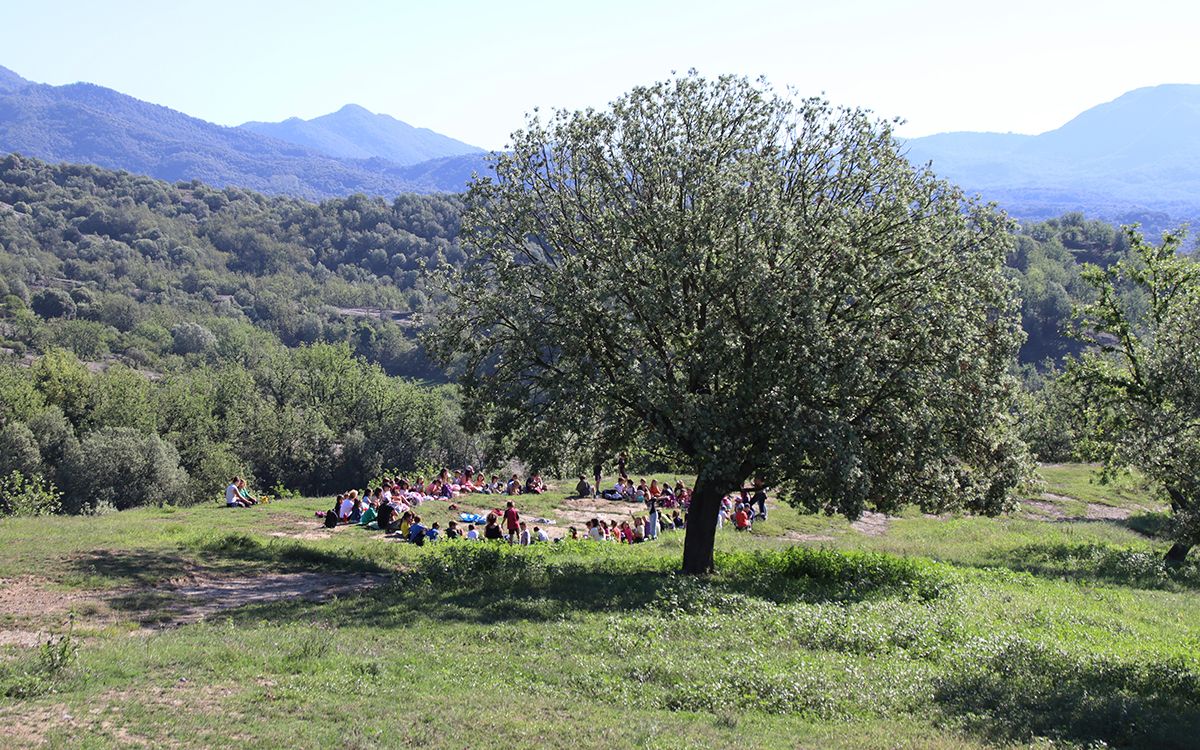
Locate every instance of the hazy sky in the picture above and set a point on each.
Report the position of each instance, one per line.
(472, 69)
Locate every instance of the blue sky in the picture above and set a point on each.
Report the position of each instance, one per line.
(472, 69)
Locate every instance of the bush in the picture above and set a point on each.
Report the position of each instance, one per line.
(18, 450)
(53, 303)
(127, 468)
(192, 338)
(32, 496)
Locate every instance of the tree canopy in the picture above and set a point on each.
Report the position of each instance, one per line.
(763, 285)
(1139, 379)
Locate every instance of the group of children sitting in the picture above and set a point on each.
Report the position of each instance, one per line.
(740, 508)
(641, 529)
(392, 508)
(663, 494)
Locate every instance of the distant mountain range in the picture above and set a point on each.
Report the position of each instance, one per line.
(1136, 158)
(354, 133)
(91, 124)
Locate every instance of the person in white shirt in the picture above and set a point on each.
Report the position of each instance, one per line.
(233, 498)
(523, 537)
(347, 505)
(540, 535)
(472, 534)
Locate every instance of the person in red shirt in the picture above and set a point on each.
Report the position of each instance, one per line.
(512, 520)
(741, 519)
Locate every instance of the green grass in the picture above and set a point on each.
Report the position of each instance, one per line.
(1083, 482)
(940, 633)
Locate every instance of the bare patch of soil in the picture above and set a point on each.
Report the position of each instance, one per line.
(1058, 498)
(102, 717)
(1049, 509)
(582, 510)
(1040, 510)
(871, 523)
(31, 608)
(802, 537)
(203, 596)
(1098, 511)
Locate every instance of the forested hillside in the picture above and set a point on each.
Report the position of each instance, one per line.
(201, 331)
(112, 262)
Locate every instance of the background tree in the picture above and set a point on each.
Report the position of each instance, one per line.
(53, 303)
(1140, 381)
(766, 287)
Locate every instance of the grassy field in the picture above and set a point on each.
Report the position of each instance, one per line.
(201, 627)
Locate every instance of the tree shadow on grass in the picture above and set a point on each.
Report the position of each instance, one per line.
(281, 554)
(214, 555)
(1024, 690)
(1103, 564)
(492, 583)
(125, 568)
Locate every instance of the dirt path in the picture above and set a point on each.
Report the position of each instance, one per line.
(32, 608)
(1050, 508)
(871, 523)
(578, 511)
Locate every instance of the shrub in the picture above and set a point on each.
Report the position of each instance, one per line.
(53, 303)
(127, 468)
(28, 496)
(192, 338)
(18, 450)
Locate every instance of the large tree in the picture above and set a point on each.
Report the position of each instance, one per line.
(1140, 380)
(762, 285)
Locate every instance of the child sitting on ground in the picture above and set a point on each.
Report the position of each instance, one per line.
(472, 534)
(741, 519)
(416, 531)
(369, 513)
(582, 488)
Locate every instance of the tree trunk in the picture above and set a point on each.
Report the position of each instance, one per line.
(1177, 554)
(701, 532)
(1179, 551)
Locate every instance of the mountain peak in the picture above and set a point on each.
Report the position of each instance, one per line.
(354, 109)
(1138, 150)
(354, 132)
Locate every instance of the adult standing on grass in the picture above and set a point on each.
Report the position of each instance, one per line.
(840, 321)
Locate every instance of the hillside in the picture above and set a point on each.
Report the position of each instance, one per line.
(143, 256)
(84, 123)
(1136, 158)
(355, 133)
